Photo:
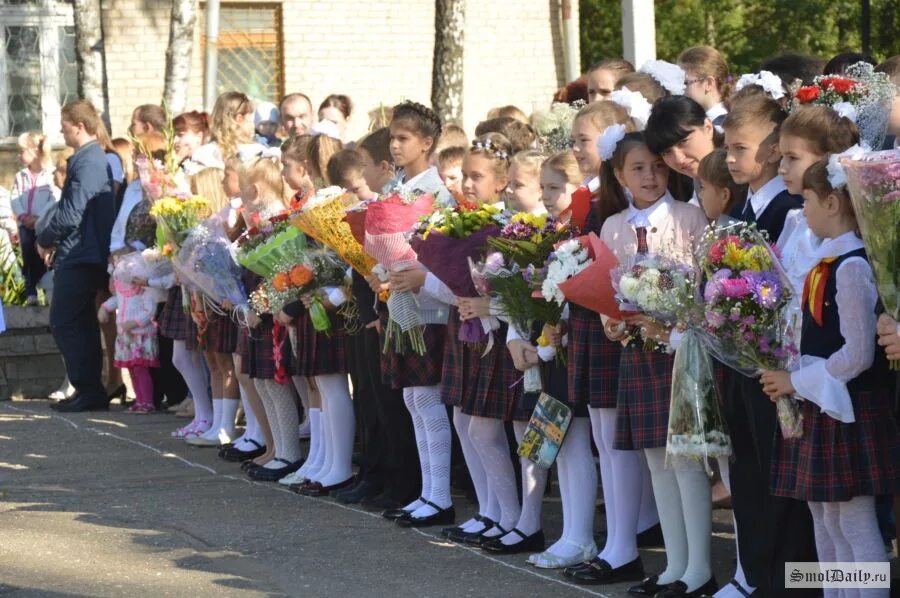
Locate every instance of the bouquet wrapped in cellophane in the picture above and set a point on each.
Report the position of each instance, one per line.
(744, 296)
(323, 219)
(269, 244)
(592, 288)
(176, 217)
(389, 222)
(874, 184)
(447, 242)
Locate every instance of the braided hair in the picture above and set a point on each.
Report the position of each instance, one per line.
(419, 119)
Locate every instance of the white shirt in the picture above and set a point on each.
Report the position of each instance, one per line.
(593, 184)
(133, 196)
(716, 111)
(650, 217)
(761, 199)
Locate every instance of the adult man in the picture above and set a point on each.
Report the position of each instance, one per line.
(147, 118)
(296, 114)
(76, 238)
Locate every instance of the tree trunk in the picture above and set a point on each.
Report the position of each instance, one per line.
(178, 55)
(90, 55)
(447, 71)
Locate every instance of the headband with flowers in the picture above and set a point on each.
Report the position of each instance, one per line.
(608, 140)
(487, 146)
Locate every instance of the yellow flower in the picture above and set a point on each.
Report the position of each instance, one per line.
(758, 259)
(734, 257)
(543, 341)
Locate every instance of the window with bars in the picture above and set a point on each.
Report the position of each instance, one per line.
(38, 71)
(250, 46)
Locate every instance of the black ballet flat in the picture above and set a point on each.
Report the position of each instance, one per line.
(648, 587)
(464, 537)
(440, 517)
(234, 455)
(533, 543)
(600, 572)
(395, 514)
(480, 541)
(266, 474)
(120, 393)
(678, 589)
(249, 464)
(458, 529)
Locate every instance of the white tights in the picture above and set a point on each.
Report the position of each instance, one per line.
(433, 440)
(192, 368)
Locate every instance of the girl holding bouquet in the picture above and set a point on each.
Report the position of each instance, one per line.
(414, 133)
(655, 222)
(850, 449)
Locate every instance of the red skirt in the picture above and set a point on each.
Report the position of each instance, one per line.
(642, 409)
(593, 361)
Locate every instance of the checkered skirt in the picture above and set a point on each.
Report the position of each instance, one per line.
(410, 369)
(319, 354)
(496, 389)
(459, 374)
(834, 461)
(221, 334)
(174, 323)
(642, 409)
(593, 361)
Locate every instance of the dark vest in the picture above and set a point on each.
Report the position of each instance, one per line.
(772, 218)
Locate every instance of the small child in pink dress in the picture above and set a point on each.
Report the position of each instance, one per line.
(134, 303)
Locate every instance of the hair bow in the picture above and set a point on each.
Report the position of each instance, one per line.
(636, 104)
(609, 139)
(670, 76)
(326, 128)
(770, 82)
(837, 176)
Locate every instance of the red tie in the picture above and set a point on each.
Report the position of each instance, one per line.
(642, 239)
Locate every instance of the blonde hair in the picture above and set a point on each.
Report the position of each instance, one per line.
(644, 84)
(706, 61)
(508, 112)
(125, 151)
(62, 160)
(318, 152)
(529, 160)
(265, 172)
(603, 114)
(452, 136)
(208, 183)
(564, 163)
(224, 128)
(39, 143)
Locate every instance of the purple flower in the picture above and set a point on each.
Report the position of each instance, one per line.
(715, 319)
(528, 273)
(764, 344)
(766, 288)
(892, 196)
(749, 321)
(735, 288)
(711, 292)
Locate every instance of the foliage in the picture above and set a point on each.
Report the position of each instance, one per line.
(745, 31)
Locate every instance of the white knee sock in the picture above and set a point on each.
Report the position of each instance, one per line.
(461, 422)
(314, 459)
(336, 400)
(281, 406)
(213, 432)
(626, 486)
(190, 365)
(251, 430)
(534, 482)
(696, 505)
(728, 590)
(489, 437)
(578, 480)
(409, 399)
(437, 431)
(649, 516)
(226, 424)
(824, 545)
(859, 526)
(671, 515)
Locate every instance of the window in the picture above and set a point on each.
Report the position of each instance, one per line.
(38, 71)
(250, 50)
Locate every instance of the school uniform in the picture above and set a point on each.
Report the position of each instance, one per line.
(850, 446)
(771, 530)
(717, 115)
(317, 353)
(174, 323)
(670, 228)
(554, 382)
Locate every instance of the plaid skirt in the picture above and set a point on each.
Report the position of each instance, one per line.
(400, 371)
(174, 323)
(642, 409)
(459, 372)
(593, 361)
(221, 334)
(257, 350)
(833, 461)
(498, 384)
(319, 354)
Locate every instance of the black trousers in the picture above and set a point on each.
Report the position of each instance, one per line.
(167, 381)
(73, 321)
(389, 454)
(771, 530)
(33, 267)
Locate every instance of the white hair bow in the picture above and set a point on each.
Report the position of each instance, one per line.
(770, 82)
(205, 156)
(846, 110)
(837, 176)
(608, 140)
(670, 76)
(636, 104)
(327, 128)
(251, 151)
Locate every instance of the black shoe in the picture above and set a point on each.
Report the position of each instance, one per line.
(64, 401)
(464, 537)
(317, 490)
(648, 587)
(533, 543)
(599, 572)
(80, 404)
(120, 393)
(364, 489)
(569, 571)
(265, 474)
(440, 517)
(650, 538)
(233, 455)
(678, 589)
(383, 502)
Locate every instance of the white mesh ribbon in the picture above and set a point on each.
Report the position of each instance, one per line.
(637, 105)
(403, 307)
(770, 82)
(670, 76)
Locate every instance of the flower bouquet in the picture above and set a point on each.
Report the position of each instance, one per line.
(744, 295)
(176, 217)
(269, 244)
(447, 242)
(554, 127)
(388, 224)
(592, 288)
(204, 264)
(322, 218)
(874, 185)
(309, 273)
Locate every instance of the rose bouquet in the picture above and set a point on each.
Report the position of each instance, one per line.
(388, 224)
(447, 242)
(874, 184)
(744, 296)
(322, 218)
(269, 244)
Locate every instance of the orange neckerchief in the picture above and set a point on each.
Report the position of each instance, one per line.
(814, 288)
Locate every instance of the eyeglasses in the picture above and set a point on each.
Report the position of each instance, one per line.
(692, 81)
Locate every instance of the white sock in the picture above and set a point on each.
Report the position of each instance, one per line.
(859, 526)
(728, 590)
(315, 443)
(534, 481)
(437, 431)
(281, 410)
(213, 432)
(626, 487)
(190, 365)
(409, 399)
(489, 437)
(648, 516)
(335, 392)
(671, 515)
(578, 480)
(461, 422)
(226, 423)
(696, 505)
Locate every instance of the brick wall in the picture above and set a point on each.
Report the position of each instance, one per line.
(372, 50)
